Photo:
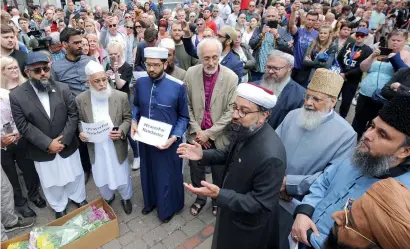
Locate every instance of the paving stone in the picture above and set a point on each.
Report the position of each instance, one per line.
(154, 236)
(127, 238)
(137, 244)
(138, 227)
(174, 239)
(123, 228)
(193, 227)
(206, 216)
(113, 244)
(159, 246)
(206, 244)
(186, 214)
(176, 223)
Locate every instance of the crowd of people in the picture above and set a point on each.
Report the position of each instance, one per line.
(257, 94)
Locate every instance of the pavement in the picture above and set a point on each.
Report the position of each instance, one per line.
(139, 231)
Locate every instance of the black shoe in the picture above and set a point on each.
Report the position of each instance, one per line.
(61, 214)
(110, 200)
(127, 206)
(145, 211)
(26, 211)
(40, 202)
(87, 176)
(21, 223)
(168, 219)
(83, 203)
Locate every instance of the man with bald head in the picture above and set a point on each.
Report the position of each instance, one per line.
(378, 219)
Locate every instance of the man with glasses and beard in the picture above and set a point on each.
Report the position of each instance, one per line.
(315, 136)
(172, 69)
(163, 98)
(46, 116)
(71, 71)
(378, 219)
(383, 151)
(256, 160)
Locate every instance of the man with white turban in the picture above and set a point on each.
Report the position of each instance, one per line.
(248, 199)
(378, 219)
(109, 158)
(172, 69)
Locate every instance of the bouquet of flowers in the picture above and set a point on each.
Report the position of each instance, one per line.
(90, 219)
(54, 237)
(19, 245)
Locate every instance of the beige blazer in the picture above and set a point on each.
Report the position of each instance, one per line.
(120, 113)
(223, 95)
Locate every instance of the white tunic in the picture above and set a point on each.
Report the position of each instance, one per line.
(59, 171)
(107, 170)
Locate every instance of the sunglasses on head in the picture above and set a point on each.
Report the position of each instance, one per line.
(127, 17)
(129, 27)
(112, 25)
(38, 70)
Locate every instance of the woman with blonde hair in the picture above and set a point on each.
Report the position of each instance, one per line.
(99, 54)
(90, 27)
(11, 76)
(321, 53)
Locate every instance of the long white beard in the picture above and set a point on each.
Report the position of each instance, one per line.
(310, 119)
(101, 95)
(274, 85)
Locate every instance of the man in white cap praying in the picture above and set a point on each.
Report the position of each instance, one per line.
(172, 69)
(161, 97)
(249, 197)
(109, 158)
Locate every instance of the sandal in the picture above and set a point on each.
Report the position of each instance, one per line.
(214, 210)
(196, 207)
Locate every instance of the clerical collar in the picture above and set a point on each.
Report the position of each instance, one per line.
(396, 171)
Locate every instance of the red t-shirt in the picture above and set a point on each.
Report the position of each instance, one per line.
(245, 4)
(212, 25)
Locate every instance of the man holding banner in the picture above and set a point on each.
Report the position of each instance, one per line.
(109, 154)
(160, 100)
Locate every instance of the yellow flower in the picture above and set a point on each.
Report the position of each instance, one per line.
(44, 243)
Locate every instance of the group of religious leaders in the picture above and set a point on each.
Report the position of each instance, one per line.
(261, 166)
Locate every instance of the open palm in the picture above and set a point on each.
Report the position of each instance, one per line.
(190, 151)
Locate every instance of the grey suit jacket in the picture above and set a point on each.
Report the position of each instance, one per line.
(120, 113)
(37, 128)
(223, 95)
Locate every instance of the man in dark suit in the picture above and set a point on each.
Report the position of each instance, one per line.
(248, 200)
(46, 116)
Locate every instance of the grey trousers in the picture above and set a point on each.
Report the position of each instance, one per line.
(8, 217)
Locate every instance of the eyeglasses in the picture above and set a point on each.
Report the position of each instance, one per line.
(38, 70)
(127, 16)
(314, 98)
(112, 25)
(199, 24)
(275, 69)
(155, 66)
(98, 81)
(12, 68)
(363, 26)
(241, 112)
(348, 207)
(360, 35)
(129, 27)
(75, 42)
(221, 36)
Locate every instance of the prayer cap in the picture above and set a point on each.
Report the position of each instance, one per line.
(386, 207)
(156, 53)
(397, 114)
(167, 43)
(327, 82)
(93, 67)
(257, 94)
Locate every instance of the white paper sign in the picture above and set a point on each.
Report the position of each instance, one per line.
(152, 132)
(97, 132)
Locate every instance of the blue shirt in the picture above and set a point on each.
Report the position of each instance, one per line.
(379, 74)
(302, 40)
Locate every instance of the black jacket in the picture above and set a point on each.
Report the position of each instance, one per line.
(38, 128)
(249, 198)
(350, 65)
(403, 77)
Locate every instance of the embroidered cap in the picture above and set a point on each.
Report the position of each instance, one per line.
(326, 81)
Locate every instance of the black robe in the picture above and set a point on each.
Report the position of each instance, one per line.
(249, 198)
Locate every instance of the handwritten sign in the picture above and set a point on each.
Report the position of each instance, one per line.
(97, 132)
(152, 132)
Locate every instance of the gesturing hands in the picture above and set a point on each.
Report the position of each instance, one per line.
(208, 189)
(56, 146)
(190, 151)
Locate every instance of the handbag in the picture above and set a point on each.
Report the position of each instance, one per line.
(377, 94)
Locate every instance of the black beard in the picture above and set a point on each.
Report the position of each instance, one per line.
(236, 132)
(43, 85)
(332, 242)
(370, 165)
(170, 68)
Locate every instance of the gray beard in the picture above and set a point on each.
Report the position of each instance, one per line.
(101, 95)
(373, 166)
(309, 119)
(275, 86)
(43, 85)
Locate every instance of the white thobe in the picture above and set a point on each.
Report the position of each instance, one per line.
(109, 174)
(61, 178)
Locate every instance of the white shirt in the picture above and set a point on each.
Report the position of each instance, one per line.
(224, 11)
(44, 99)
(219, 22)
(231, 21)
